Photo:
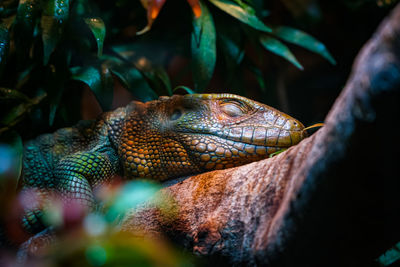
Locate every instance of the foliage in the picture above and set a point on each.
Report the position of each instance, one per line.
(45, 45)
(391, 256)
(50, 49)
(95, 239)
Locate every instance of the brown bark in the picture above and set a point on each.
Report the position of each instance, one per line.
(322, 202)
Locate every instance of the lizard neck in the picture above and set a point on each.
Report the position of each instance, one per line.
(145, 151)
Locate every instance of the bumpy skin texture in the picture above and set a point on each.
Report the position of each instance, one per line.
(169, 137)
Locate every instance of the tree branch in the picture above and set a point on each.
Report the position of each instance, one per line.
(322, 202)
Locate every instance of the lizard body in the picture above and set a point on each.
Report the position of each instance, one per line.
(161, 139)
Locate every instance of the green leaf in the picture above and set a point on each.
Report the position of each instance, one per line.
(4, 47)
(136, 84)
(18, 149)
(234, 54)
(158, 79)
(11, 151)
(81, 7)
(303, 39)
(133, 194)
(56, 76)
(16, 114)
(258, 74)
(391, 256)
(231, 45)
(25, 23)
(7, 93)
(98, 29)
(100, 81)
(187, 89)
(164, 78)
(54, 99)
(132, 80)
(156, 76)
(279, 48)
(55, 14)
(243, 12)
(204, 51)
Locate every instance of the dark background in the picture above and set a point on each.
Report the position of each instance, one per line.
(343, 26)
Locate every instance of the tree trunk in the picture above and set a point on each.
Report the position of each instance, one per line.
(323, 202)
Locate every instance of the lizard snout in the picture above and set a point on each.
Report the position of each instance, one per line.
(289, 132)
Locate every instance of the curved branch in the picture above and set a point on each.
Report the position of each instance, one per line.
(321, 199)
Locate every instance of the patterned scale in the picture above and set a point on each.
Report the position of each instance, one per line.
(161, 139)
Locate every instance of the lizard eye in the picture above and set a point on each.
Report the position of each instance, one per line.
(176, 114)
(232, 108)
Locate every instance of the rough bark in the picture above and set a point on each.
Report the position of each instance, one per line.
(322, 202)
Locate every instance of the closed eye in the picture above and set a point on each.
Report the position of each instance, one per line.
(233, 108)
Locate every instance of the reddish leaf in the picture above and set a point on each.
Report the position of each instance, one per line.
(195, 7)
(153, 9)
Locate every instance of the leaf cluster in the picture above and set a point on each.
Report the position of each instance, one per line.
(45, 45)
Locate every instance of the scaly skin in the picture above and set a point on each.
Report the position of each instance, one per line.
(169, 137)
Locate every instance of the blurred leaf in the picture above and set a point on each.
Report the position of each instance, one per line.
(163, 77)
(55, 14)
(187, 89)
(251, 3)
(233, 51)
(156, 76)
(279, 48)
(130, 197)
(303, 39)
(100, 81)
(305, 8)
(54, 99)
(204, 52)
(385, 3)
(81, 8)
(132, 79)
(127, 53)
(153, 7)
(391, 256)
(254, 3)
(11, 152)
(196, 7)
(25, 23)
(6, 93)
(98, 29)
(16, 114)
(258, 74)
(116, 248)
(231, 45)
(8, 21)
(4, 46)
(243, 12)
(23, 77)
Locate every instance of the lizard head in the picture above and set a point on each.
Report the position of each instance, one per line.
(200, 132)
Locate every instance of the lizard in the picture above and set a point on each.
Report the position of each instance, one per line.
(161, 139)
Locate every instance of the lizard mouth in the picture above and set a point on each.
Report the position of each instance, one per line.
(213, 146)
(256, 136)
(261, 136)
